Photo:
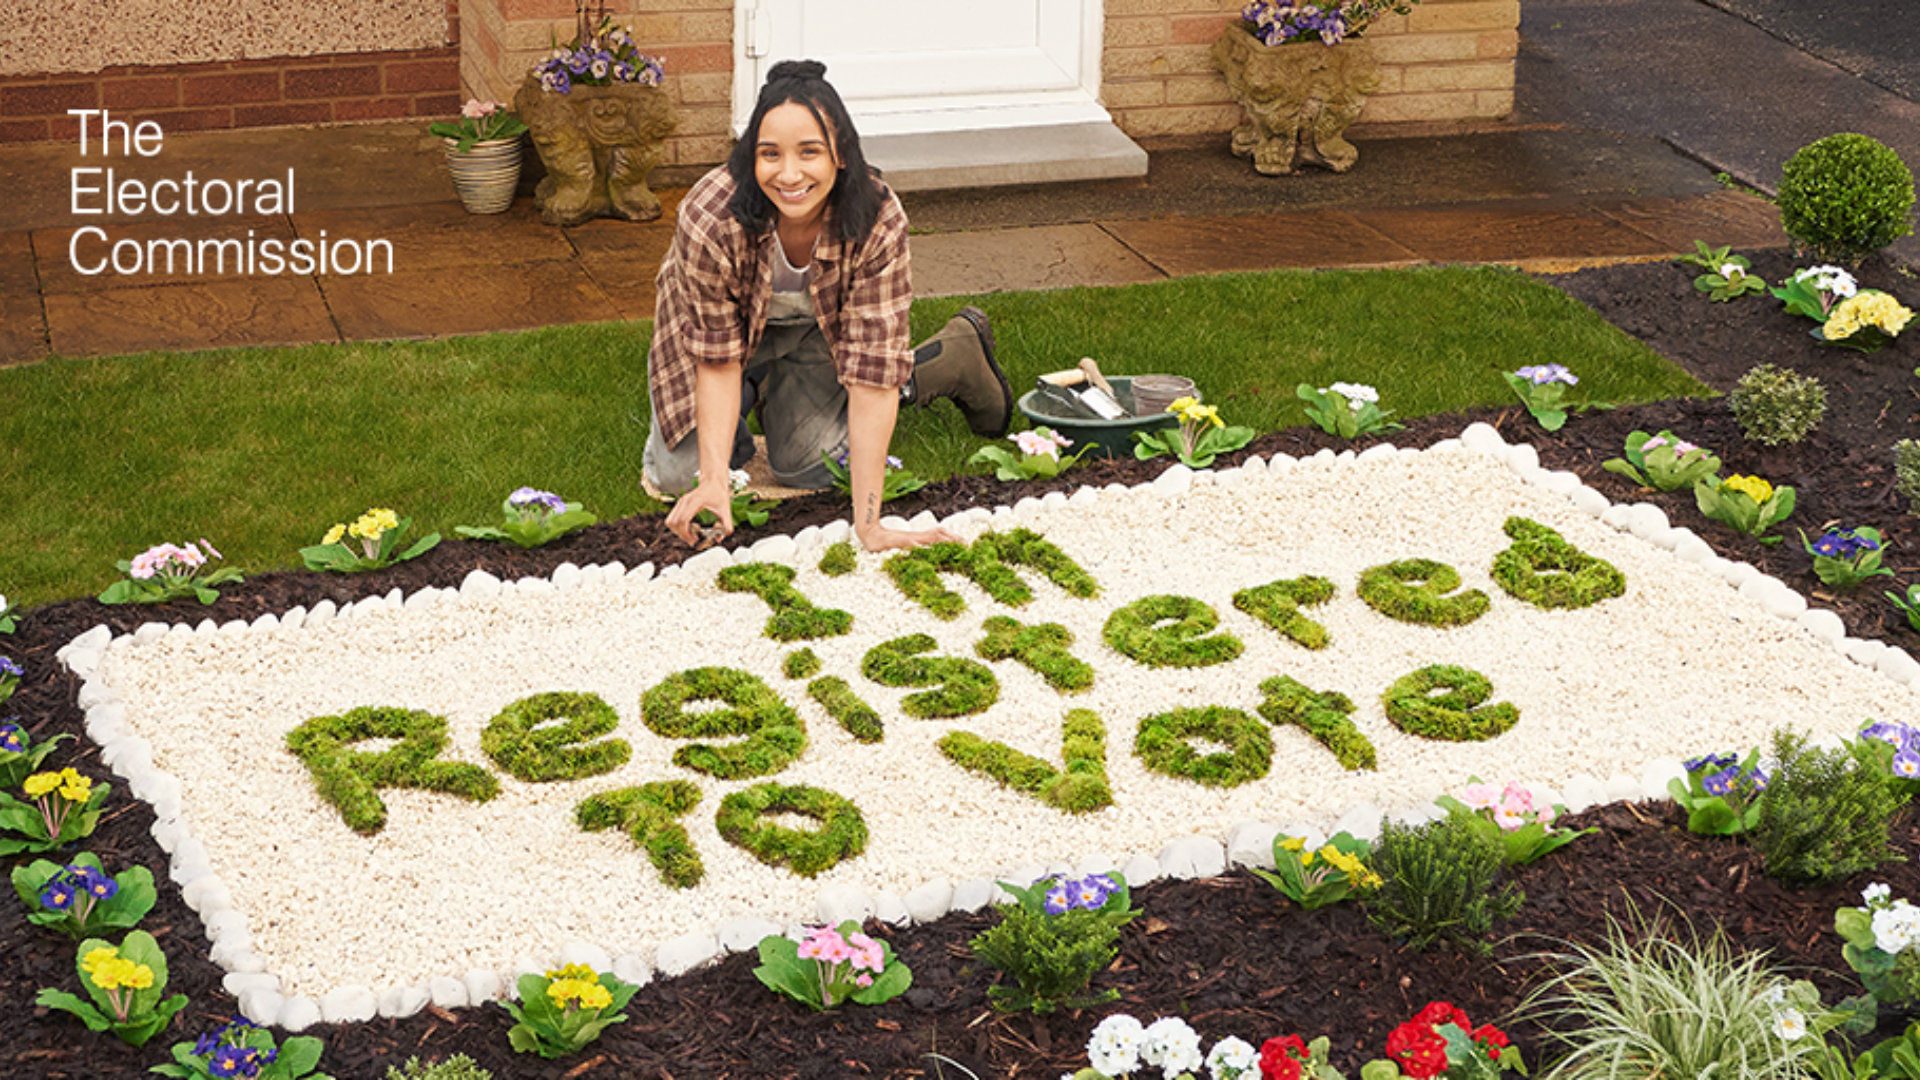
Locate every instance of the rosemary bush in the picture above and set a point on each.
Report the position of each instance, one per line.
(1906, 472)
(1824, 815)
(1440, 880)
(457, 1067)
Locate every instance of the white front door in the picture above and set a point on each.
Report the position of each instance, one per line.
(914, 66)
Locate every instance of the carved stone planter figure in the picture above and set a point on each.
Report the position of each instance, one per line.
(598, 144)
(1299, 98)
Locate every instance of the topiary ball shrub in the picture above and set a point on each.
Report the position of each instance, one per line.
(1775, 407)
(1845, 197)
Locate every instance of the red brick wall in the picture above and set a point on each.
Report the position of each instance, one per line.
(329, 89)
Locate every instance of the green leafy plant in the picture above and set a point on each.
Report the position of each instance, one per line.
(1200, 437)
(378, 532)
(1909, 604)
(1891, 749)
(1348, 410)
(457, 1067)
(78, 898)
(66, 806)
(1039, 457)
(1440, 881)
(1507, 816)
(532, 518)
(1721, 793)
(1725, 276)
(1897, 1058)
(1326, 875)
(1052, 939)
(1882, 945)
(1646, 1003)
(1542, 389)
(9, 617)
(1775, 407)
(165, 572)
(245, 1049)
(899, 482)
(1845, 197)
(125, 983)
(832, 966)
(559, 1013)
(1441, 1041)
(480, 121)
(19, 754)
(1825, 814)
(1846, 558)
(1663, 462)
(1747, 504)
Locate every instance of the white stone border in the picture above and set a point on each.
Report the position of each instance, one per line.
(1247, 843)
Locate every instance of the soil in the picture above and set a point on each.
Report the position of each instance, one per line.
(1227, 954)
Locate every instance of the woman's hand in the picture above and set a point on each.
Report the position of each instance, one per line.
(715, 496)
(877, 537)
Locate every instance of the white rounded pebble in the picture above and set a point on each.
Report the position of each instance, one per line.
(1562, 482)
(1229, 477)
(1026, 509)
(1084, 496)
(349, 1005)
(592, 576)
(1097, 863)
(889, 908)
(263, 1006)
(532, 586)
(168, 832)
(1141, 869)
(1025, 874)
(1583, 792)
(614, 570)
(207, 894)
(1052, 500)
(236, 955)
(1373, 453)
(1482, 438)
(224, 924)
(587, 953)
(1825, 625)
(126, 754)
(322, 613)
(1895, 664)
(838, 903)
(1648, 522)
(632, 968)
(94, 692)
(643, 572)
(1281, 463)
(566, 577)
(265, 623)
(779, 549)
(299, 1013)
(1616, 516)
(1177, 480)
(239, 982)
(1534, 477)
(710, 561)
(1418, 814)
(1690, 547)
(483, 985)
(745, 933)
(184, 872)
(682, 954)
(422, 600)
(1324, 459)
(400, 1002)
(1250, 843)
(107, 721)
(974, 894)
(1653, 779)
(1589, 501)
(1784, 602)
(293, 618)
(930, 901)
(1522, 458)
(150, 631)
(1738, 574)
(447, 992)
(1865, 651)
(1361, 821)
(479, 585)
(1623, 788)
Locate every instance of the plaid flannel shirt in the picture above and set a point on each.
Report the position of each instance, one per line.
(716, 281)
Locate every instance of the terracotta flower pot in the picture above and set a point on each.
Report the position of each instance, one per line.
(1299, 97)
(486, 176)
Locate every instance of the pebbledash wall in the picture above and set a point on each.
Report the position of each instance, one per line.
(1445, 61)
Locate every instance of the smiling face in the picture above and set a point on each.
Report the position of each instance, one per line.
(795, 163)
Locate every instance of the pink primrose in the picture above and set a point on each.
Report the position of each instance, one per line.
(1479, 796)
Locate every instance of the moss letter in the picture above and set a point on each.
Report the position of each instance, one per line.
(1078, 787)
(525, 741)
(650, 814)
(1324, 715)
(350, 782)
(966, 686)
(775, 733)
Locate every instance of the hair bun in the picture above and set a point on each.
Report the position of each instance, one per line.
(797, 69)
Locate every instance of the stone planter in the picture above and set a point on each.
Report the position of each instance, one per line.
(598, 144)
(1299, 98)
(486, 176)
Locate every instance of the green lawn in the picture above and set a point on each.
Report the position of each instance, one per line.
(260, 450)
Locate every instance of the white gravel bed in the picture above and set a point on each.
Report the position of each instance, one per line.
(1683, 663)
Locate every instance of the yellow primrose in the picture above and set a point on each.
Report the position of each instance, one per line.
(334, 534)
(574, 971)
(1182, 404)
(1751, 486)
(595, 996)
(1307, 859)
(77, 788)
(98, 957)
(40, 783)
(1201, 414)
(1294, 843)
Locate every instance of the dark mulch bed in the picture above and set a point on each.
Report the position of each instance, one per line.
(1224, 953)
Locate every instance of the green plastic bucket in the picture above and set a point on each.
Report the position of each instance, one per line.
(1104, 438)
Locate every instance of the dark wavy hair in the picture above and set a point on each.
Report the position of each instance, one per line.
(855, 198)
